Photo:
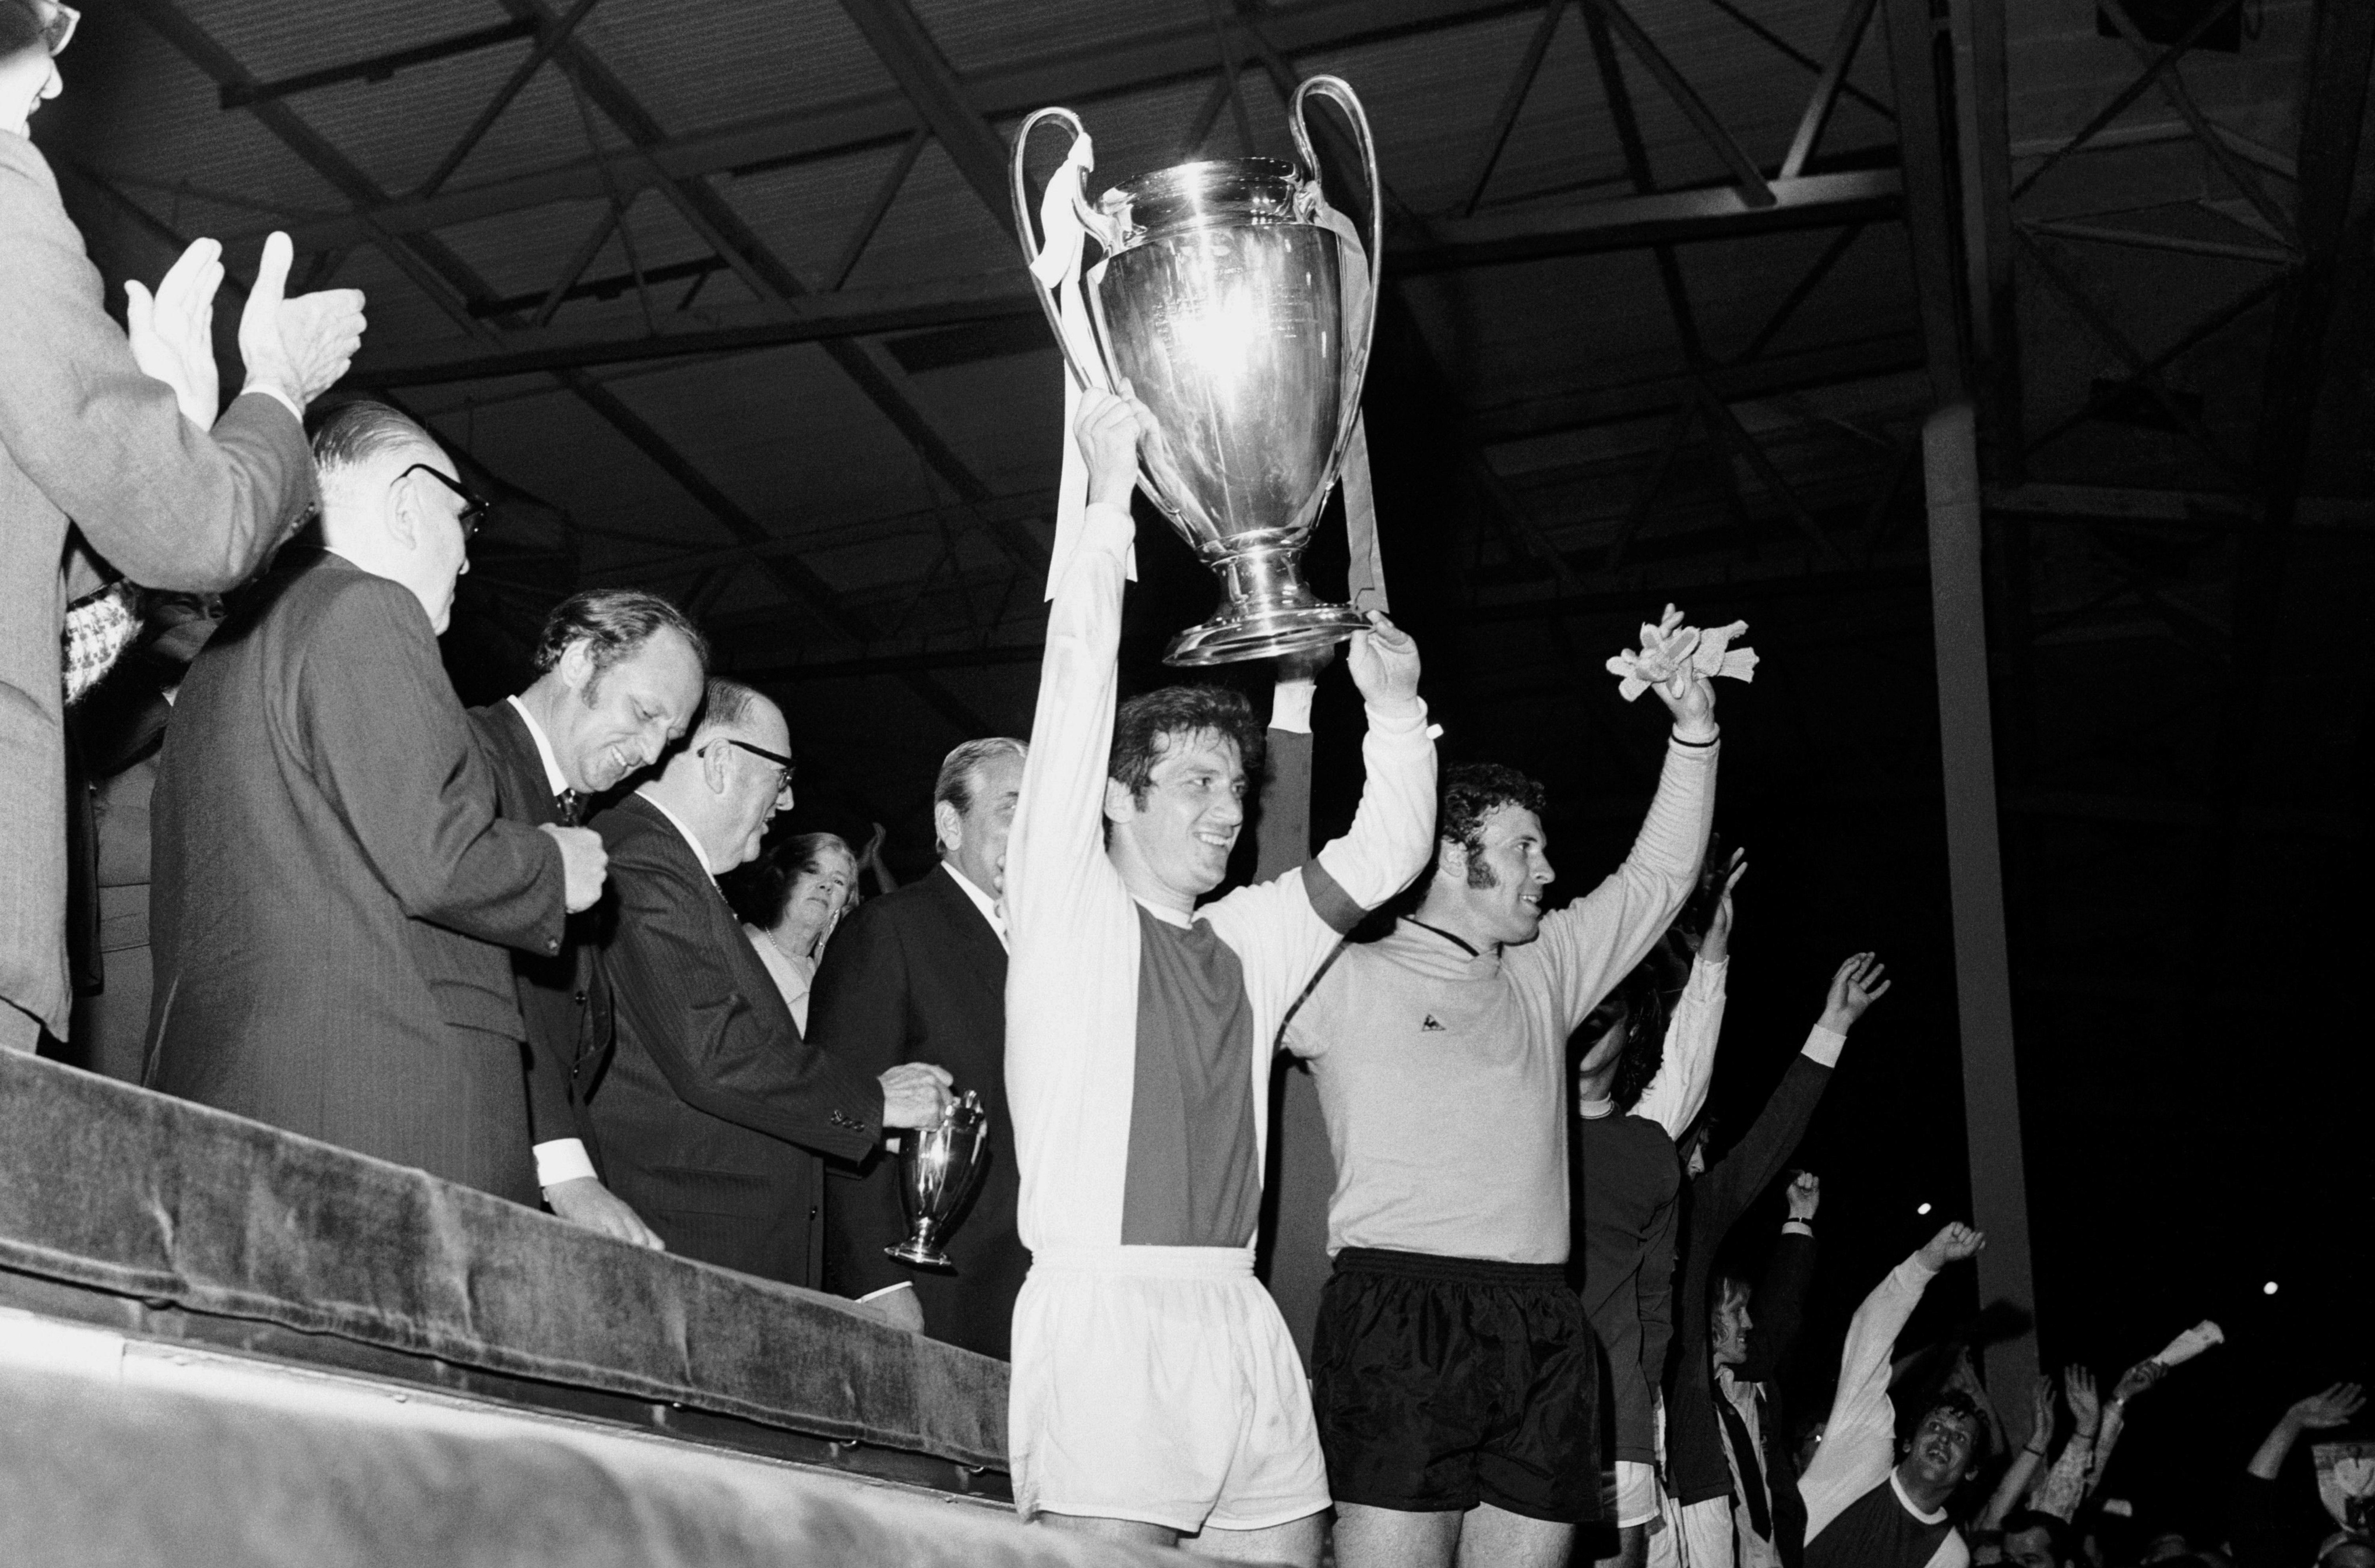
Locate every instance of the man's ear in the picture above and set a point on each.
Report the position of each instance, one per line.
(1451, 859)
(948, 826)
(1120, 805)
(404, 515)
(576, 666)
(713, 767)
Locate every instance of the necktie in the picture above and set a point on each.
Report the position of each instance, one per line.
(1752, 1469)
(571, 805)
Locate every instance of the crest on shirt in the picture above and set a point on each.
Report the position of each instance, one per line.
(1432, 1025)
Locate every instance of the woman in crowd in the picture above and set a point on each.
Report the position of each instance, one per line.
(790, 899)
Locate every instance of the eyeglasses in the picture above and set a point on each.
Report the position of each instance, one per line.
(475, 506)
(783, 763)
(60, 28)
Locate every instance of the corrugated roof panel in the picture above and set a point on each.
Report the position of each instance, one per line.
(698, 66)
(975, 37)
(808, 214)
(274, 39)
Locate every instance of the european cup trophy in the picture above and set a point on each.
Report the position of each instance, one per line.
(1238, 306)
(939, 1168)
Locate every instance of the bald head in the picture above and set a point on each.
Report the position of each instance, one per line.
(393, 502)
(732, 776)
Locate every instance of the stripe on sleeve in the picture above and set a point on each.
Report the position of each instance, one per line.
(1331, 902)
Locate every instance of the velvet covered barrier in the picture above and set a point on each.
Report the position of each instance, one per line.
(114, 1188)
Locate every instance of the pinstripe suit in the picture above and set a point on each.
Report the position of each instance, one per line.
(713, 1110)
(331, 891)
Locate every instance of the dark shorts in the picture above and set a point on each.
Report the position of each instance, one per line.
(1441, 1383)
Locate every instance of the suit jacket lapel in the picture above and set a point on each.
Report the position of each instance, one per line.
(965, 918)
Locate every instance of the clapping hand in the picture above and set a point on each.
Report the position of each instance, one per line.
(1860, 981)
(172, 330)
(2040, 1413)
(298, 347)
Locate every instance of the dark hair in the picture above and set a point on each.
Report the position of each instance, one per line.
(1962, 1407)
(962, 768)
(1473, 791)
(1640, 1004)
(21, 27)
(613, 623)
(1698, 910)
(1148, 723)
(2060, 1539)
(354, 433)
(758, 891)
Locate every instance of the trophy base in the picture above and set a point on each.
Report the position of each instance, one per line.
(1239, 633)
(921, 1257)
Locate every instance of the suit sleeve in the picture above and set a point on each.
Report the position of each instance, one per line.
(1595, 942)
(378, 725)
(1734, 1183)
(1781, 1307)
(722, 1055)
(169, 504)
(859, 1014)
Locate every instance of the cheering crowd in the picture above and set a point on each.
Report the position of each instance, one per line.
(546, 949)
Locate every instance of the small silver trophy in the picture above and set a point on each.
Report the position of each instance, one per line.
(1239, 305)
(939, 1168)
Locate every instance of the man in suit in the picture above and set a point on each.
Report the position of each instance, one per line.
(331, 891)
(920, 976)
(713, 1110)
(85, 434)
(620, 679)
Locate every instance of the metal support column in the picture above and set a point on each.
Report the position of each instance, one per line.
(1950, 462)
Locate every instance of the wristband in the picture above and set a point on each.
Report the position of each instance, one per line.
(1698, 744)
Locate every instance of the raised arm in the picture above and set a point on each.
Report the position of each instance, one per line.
(1781, 1294)
(1680, 1088)
(1860, 1443)
(1596, 940)
(2064, 1485)
(1058, 848)
(1393, 831)
(2023, 1468)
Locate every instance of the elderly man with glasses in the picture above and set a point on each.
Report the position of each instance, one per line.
(714, 1113)
(123, 438)
(333, 889)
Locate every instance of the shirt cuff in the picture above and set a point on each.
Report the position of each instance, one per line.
(1797, 1227)
(871, 1295)
(1823, 1046)
(1290, 706)
(1397, 718)
(276, 395)
(563, 1159)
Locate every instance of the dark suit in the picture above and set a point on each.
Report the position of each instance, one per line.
(84, 435)
(330, 882)
(713, 1110)
(918, 975)
(563, 1002)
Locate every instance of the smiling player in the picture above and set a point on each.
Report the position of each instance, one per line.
(1157, 1393)
(1453, 1372)
(1872, 1502)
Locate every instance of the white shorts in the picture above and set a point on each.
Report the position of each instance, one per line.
(1160, 1384)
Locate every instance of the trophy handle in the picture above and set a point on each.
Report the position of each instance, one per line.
(1357, 364)
(1090, 218)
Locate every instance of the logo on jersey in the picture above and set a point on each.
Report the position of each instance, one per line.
(1431, 1026)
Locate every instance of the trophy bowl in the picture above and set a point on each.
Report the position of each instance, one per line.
(938, 1169)
(1238, 308)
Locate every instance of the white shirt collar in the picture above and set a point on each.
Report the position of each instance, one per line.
(981, 901)
(699, 853)
(552, 775)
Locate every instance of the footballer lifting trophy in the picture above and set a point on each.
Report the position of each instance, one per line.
(939, 1168)
(1237, 304)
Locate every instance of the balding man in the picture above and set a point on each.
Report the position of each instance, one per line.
(333, 892)
(715, 1111)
